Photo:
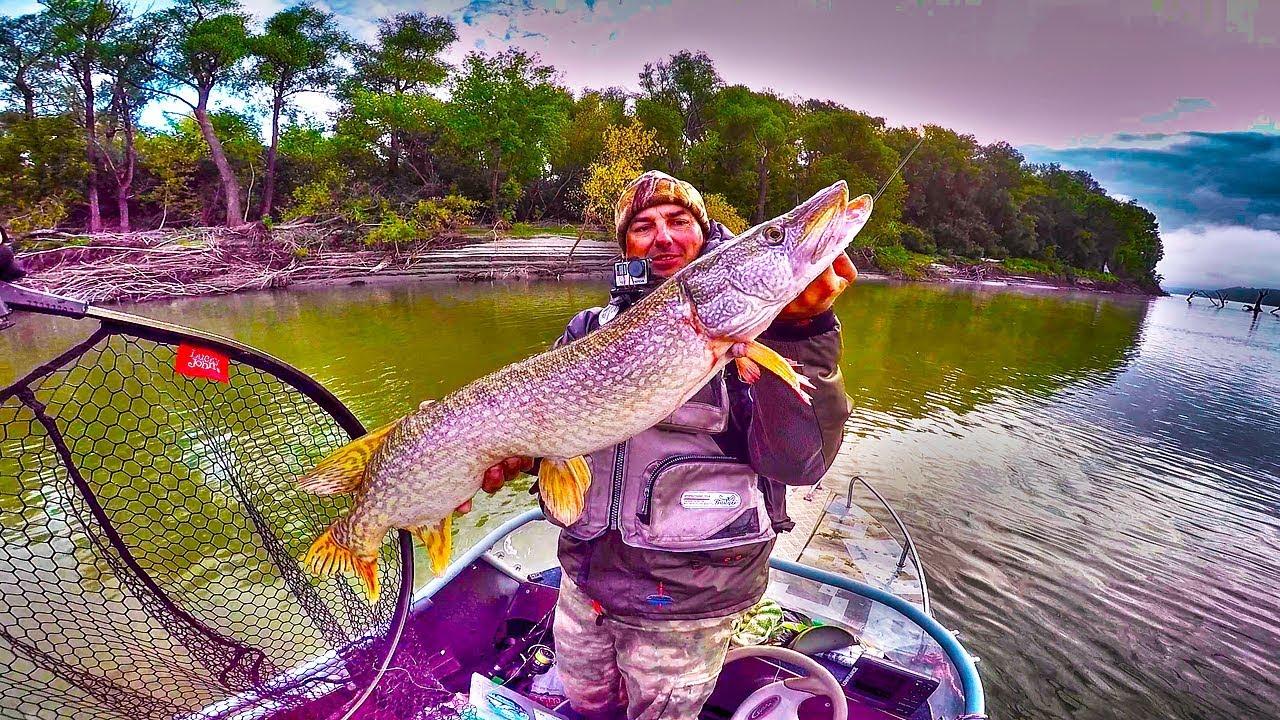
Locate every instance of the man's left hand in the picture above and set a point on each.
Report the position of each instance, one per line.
(821, 294)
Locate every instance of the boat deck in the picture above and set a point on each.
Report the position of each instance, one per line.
(847, 540)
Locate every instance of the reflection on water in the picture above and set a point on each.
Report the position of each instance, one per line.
(1092, 480)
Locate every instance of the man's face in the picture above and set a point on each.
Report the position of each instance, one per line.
(666, 234)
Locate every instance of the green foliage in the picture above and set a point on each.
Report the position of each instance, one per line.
(622, 156)
(394, 231)
(500, 127)
(427, 220)
(448, 214)
(40, 159)
(720, 210)
(895, 259)
(915, 239)
(506, 110)
(1032, 267)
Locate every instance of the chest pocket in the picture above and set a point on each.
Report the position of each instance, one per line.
(706, 412)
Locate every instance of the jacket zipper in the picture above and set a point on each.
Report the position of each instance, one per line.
(615, 497)
(673, 460)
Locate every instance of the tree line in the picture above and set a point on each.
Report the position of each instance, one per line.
(496, 134)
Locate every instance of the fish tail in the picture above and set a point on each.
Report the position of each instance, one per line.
(327, 556)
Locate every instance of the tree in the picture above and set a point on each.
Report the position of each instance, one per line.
(836, 143)
(685, 82)
(198, 45)
(404, 62)
(582, 141)
(129, 80)
(26, 52)
(42, 162)
(81, 28)
(756, 124)
(506, 112)
(623, 152)
(296, 54)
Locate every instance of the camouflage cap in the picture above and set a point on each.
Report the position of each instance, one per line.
(657, 188)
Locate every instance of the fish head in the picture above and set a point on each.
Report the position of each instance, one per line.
(737, 289)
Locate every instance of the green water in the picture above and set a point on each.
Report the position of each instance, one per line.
(1091, 478)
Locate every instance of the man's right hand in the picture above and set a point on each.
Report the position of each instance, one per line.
(498, 475)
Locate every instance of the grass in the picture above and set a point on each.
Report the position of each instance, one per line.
(528, 230)
(27, 246)
(1039, 267)
(897, 259)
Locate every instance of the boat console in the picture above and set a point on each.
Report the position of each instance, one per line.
(485, 618)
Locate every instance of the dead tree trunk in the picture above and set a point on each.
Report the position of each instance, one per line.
(1220, 302)
(1257, 304)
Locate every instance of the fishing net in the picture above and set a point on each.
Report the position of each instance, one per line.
(151, 537)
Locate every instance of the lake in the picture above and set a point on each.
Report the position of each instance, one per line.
(1093, 481)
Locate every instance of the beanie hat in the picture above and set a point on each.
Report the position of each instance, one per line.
(657, 188)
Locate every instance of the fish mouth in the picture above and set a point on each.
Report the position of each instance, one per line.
(829, 221)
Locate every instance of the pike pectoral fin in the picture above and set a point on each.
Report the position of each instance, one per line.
(343, 471)
(563, 485)
(748, 370)
(766, 358)
(326, 557)
(439, 542)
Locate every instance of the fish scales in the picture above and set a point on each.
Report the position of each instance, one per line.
(595, 392)
(558, 404)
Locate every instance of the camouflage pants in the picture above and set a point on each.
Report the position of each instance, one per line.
(645, 669)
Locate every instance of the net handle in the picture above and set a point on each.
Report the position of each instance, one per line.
(114, 321)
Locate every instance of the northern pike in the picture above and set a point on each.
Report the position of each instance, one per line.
(567, 402)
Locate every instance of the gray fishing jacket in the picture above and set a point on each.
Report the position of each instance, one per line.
(680, 519)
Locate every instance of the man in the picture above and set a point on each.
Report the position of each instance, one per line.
(674, 542)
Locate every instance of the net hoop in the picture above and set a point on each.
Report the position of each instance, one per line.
(114, 323)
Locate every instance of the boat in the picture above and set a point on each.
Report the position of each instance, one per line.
(152, 539)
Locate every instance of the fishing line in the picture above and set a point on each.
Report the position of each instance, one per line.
(898, 169)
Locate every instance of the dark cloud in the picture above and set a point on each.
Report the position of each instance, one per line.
(1187, 179)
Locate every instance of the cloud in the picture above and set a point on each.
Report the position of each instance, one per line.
(1221, 256)
(1181, 106)
(1216, 196)
(1188, 179)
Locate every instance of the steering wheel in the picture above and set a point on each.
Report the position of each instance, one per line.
(781, 700)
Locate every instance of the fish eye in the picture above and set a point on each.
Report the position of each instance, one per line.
(774, 235)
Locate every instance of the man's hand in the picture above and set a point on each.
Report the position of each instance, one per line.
(821, 294)
(497, 475)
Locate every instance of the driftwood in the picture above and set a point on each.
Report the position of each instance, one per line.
(1218, 302)
(203, 261)
(1257, 304)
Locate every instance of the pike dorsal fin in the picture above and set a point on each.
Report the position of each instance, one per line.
(344, 470)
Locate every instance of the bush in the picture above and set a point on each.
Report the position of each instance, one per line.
(915, 239)
(444, 215)
(722, 211)
(394, 230)
(895, 259)
(45, 214)
(429, 219)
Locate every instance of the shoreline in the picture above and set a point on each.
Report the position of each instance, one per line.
(213, 261)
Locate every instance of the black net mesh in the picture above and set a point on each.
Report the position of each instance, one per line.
(150, 537)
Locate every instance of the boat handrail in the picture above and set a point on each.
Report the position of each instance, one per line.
(908, 545)
(971, 683)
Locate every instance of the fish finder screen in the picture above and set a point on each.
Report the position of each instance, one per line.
(878, 682)
(886, 686)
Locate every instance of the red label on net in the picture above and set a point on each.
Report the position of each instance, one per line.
(198, 362)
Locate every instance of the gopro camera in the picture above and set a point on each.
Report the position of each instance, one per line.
(631, 273)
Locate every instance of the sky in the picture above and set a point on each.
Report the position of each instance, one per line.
(1175, 103)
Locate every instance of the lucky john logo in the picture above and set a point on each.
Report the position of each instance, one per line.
(203, 363)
